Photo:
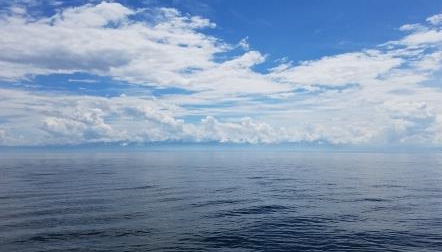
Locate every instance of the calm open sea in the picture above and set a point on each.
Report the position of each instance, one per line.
(246, 200)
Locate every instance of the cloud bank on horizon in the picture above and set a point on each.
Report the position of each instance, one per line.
(172, 81)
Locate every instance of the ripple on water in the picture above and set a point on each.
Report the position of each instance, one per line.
(228, 201)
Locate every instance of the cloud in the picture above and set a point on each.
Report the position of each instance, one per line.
(3, 136)
(84, 119)
(83, 80)
(244, 44)
(381, 95)
(342, 69)
(68, 119)
(435, 20)
(103, 39)
(156, 47)
(79, 125)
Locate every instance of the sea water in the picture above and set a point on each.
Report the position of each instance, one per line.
(227, 200)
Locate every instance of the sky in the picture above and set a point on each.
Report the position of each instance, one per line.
(258, 72)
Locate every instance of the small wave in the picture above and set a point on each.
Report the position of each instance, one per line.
(135, 188)
(86, 234)
(264, 209)
(388, 186)
(60, 236)
(217, 203)
(227, 190)
(376, 200)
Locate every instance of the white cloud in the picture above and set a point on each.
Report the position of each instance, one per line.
(342, 69)
(244, 44)
(3, 136)
(435, 20)
(101, 39)
(83, 80)
(412, 27)
(423, 37)
(372, 96)
(84, 119)
(68, 119)
(91, 16)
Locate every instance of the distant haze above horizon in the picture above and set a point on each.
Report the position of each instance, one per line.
(353, 73)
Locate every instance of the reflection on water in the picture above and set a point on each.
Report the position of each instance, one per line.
(220, 201)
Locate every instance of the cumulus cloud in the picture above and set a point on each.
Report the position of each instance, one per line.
(386, 94)
(82, 119)
(69, 119)
(102, 39)
(165, 48)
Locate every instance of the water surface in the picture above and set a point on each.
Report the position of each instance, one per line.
(250, 200)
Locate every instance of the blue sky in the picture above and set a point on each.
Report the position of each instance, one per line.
(302, 30)
(334, 72)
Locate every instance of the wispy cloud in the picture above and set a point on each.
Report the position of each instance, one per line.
(83, 80)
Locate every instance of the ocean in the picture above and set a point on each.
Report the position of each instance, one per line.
(226, 200)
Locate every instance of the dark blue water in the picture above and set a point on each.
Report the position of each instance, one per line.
(220, 201)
